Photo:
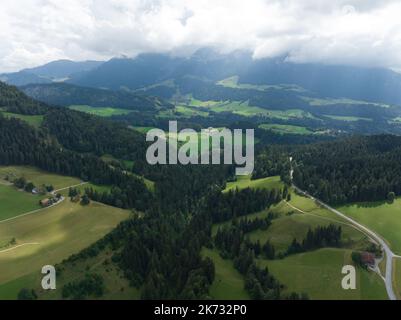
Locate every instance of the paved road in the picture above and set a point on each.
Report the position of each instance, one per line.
(375, 237)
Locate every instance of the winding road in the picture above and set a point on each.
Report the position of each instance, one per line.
(388, 279)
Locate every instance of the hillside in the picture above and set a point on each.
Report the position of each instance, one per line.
(350, 170)
(63, 94)
(13, 100)
(53, 71)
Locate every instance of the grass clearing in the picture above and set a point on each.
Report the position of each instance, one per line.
(333, 101)
(101, 111)
(318, 273)
(228, 283)
(14, 202)
(349, 119)
(286, 129)
(381, 217)
(117, 286)
(232, 82)
(38, 177)
(243, 182)
(58, 231)
(33, 120)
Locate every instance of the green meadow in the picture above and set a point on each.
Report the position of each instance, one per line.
(228, 283)
(33, 120)
(117, 286)
(243, 182)
(318, 273)
(51, 235)
(286, 129)
(101, 111)
(14, 202)
(382, 217)
(344, 118)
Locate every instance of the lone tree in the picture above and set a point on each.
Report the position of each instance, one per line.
(391, 197)
(85, 200)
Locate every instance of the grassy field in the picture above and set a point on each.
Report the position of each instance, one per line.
(232, 82)
(52, 235)
(14, 202)
(101, 112)
(243, 108)
(245, 182)
(38, 177)
(333, 101)
(318, 273)
(286, 129)
(351, 119)
(117, 286)
(382, 217)
(33, 120)
(228, 283)
(292, 224)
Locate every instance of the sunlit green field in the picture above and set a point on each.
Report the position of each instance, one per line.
(33, 120)
(286, 129)
(243, 182)
(38, 177)
(14, 202)
(195, 107)
(102, 111)
(51, 235)
(228, 283)
(117, 286)
(318, 273)
(381, 217)
(343, 118)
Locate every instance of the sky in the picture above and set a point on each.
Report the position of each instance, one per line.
(353, 32)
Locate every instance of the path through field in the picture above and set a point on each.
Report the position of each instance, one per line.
(20, 245)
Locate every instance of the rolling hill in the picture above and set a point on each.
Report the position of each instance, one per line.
(64, 94)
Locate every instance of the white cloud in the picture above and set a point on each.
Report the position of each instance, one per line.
(359, 32)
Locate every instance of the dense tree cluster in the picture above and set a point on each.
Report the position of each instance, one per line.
(272, 161)
(22, 145)
(236, 203)
(63, 94)
(354, 169)
(233, 244)
(329, 236)
(85, 133)
(91, 286)
(16, 101)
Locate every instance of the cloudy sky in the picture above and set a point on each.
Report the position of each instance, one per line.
(358, 32)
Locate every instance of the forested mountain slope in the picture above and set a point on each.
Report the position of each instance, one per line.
(63, 94)
(354, 169)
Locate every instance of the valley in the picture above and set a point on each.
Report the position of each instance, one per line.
(125, 229)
